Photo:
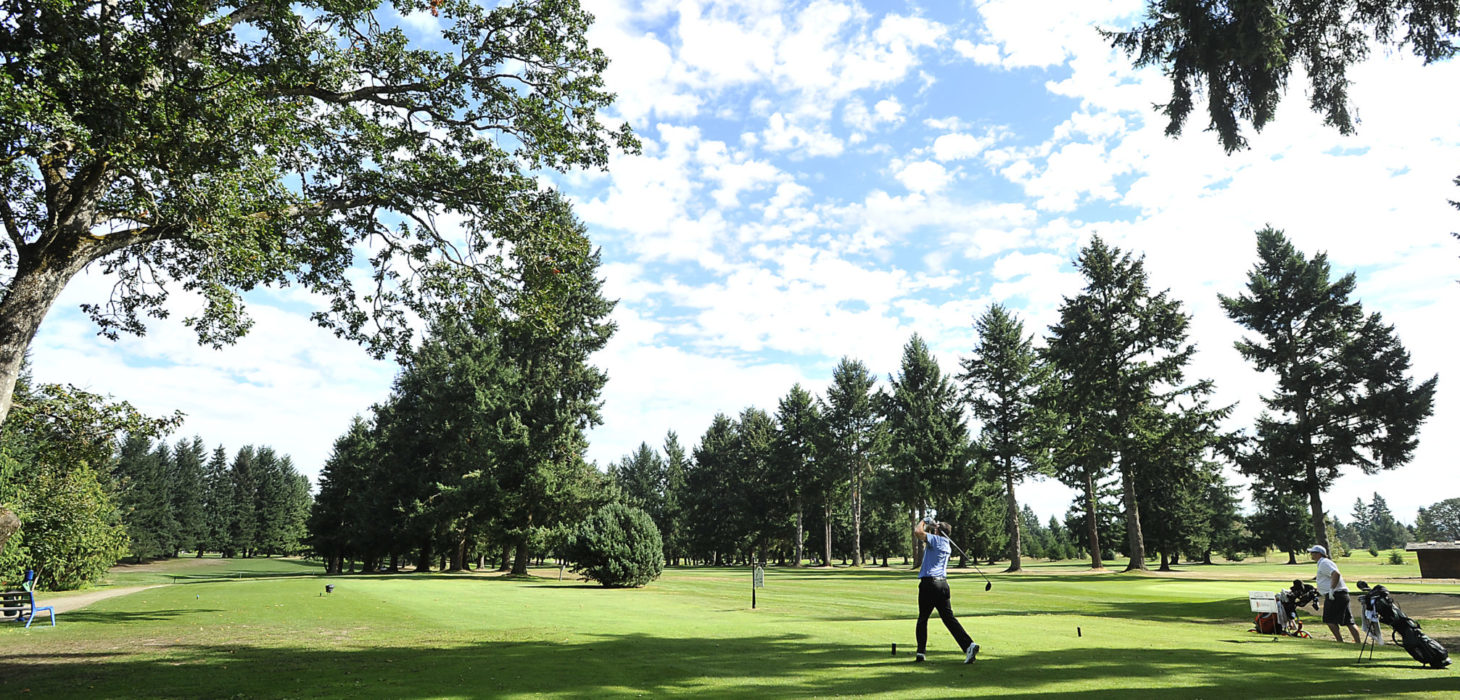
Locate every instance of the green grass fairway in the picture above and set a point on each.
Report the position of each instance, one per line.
(265, 629)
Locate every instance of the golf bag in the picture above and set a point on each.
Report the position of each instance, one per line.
(1289, 600)
(1406, 632)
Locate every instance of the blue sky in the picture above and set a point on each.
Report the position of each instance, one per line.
(825, 179)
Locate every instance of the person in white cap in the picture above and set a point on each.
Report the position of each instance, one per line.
(1335, 595)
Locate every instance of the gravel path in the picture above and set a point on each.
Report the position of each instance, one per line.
(80, 600)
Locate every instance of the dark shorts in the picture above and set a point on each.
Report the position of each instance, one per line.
(1335, 609)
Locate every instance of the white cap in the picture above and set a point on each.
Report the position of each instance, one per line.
(1318, 549)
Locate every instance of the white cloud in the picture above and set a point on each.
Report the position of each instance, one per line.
(959, 146)
(925, 177)
(982, 54)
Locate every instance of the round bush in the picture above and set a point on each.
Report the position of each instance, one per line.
(618, 546)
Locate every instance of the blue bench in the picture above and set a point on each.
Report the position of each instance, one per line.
(19, 606)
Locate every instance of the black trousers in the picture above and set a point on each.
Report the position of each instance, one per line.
(933, 594)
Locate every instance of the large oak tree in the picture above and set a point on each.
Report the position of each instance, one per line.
(213, 146)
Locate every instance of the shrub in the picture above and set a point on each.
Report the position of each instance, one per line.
(617, 546)
(1395, 557)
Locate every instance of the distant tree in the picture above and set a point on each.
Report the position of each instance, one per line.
(1120, 349)
(296, 512)
(853, 429)
(1224, 518)
(214, 147)
(1440, 521)
(709, 482)
(927, 439)
(334, 531)
(1242, 54)
(1385, 531)
(1362, 526)
(188, 492)
(798, 422)
(676, 462)
(641, 476)
(270, 501)
(758, 510)
(1002, 382)
(145, 497)
(218, 504)
(243, 522)
(1277, 519)
(1343, 394)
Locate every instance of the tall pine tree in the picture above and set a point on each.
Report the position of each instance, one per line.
(1002, 383)
(1119, 348)
(853, 432)
(927, 439)
(188, 494)
(798, 421)
(1343, 395)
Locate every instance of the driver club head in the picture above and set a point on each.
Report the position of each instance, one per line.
(988, 586)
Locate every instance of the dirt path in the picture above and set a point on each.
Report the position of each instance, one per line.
(80, 600)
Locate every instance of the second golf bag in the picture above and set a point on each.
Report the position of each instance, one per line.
(1406, 632)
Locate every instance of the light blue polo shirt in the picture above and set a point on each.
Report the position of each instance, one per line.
(935, 557)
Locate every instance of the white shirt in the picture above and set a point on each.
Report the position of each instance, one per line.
(1326, 570)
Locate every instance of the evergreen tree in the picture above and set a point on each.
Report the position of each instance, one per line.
(242, 522)
(1242, 54)
(1277, 519)
(1002, 382)
(1224, 518)
(556, 319)
(709, 481)
(296, 511)
(798, 422)
(1120, 349)
(1361, 524)
(853, 433)
(1342, 396)
(641, 476)
(676, 462)
(1385, 531)
(334, 531)
(1035, 540)
(218, 504)
(144, 499)
(188, 494)
(270, 501)
(758, 509)
(927, 440)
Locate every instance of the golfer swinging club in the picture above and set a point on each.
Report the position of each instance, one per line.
(933, 590)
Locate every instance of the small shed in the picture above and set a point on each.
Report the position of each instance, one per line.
(1436, 559)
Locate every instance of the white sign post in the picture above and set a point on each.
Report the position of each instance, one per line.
(757, 581)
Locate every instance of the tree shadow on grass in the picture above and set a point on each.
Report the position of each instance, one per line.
(787, 665)
(123, 617)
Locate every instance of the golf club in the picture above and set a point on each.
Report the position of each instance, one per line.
(988, 585)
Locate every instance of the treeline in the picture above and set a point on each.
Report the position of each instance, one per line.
(478, 451)
(1104, 403)
(180, 497)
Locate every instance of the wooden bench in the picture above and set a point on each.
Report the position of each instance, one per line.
(19, 606)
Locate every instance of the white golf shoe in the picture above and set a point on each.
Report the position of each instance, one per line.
(972, 652)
